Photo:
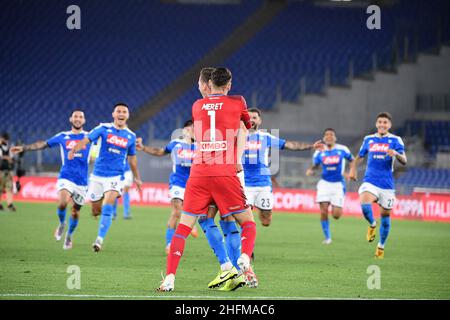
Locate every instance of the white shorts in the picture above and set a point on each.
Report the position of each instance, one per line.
(260, 197)
(386, 197)
(332, 192)
(75, 190)
(128, 179)
(176, 192)
(99, 185)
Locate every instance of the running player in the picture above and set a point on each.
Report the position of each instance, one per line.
(182, 151)
(118, 144)
(331, 188)
(213, 174)
(381, 149)
(258, 184)
(73, 177)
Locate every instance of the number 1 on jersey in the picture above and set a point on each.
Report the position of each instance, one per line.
(212, 126)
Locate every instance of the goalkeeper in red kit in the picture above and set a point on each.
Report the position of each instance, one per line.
(213, 176)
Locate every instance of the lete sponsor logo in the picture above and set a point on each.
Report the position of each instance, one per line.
(70, 144)
(186, 154)
(213, 146)
(117, 141)
(379, 147)
(328, 160)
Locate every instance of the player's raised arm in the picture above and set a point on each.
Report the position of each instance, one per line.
(38, 145)
(398, 152)
(80, 145)
(301, 146)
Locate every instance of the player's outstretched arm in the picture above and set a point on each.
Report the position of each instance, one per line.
(38, 145)
(311, 170)
(132, 160)
(353, 173)
(301, 146)
(159, 152)
(80, 145)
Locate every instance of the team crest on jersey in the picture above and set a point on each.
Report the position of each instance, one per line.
(117, 141)
(328, 160)
(253, 145)
(379, 147)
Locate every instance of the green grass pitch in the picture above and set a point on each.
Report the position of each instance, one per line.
(291, 262)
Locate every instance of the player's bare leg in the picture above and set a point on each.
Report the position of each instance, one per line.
(385, 227)
(106, 218)
(265, 216)
(96, 207)
(248, 237)
(366, 199)
(177, 245)
(336, 212)
(324, 207)
(63, 201)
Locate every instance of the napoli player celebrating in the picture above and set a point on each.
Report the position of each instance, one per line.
(258, 184)
(331, 188)
(73, 177)
(213, 174)
(182, 153)
(118, 144)
(381, 149)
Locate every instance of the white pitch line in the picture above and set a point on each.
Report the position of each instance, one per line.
(58, 295)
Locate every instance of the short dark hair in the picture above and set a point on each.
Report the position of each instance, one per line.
(220, 76)
(385, 114)
(205, 74)
(329, 129)
(77, 110)
(255, 110)
(188, 123)
(5, 136)
(120, 104)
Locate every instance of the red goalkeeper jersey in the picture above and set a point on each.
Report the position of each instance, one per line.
(216, 123)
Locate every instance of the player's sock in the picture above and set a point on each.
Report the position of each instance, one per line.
(105, 220)
(61, 215)
(368, 214)
(384, 229)
(115, 207)
(232, 240)
(326, 228)
(126, 204)
(72, 225)
(177, 248)
(248, 237)
(169, 235)
(215, 239)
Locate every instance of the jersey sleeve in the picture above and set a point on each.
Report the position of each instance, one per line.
(244, 114)
(275, 142)
(54, 141)
(317, 160)
(348, 155)
(95, 133)
(169, 147)
(364, 148)
(132, 148)
(399, 146)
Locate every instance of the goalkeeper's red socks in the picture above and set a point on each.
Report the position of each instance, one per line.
(248, 237)
(177, 247)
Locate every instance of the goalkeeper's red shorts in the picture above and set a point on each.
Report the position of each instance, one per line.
(226, 192)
